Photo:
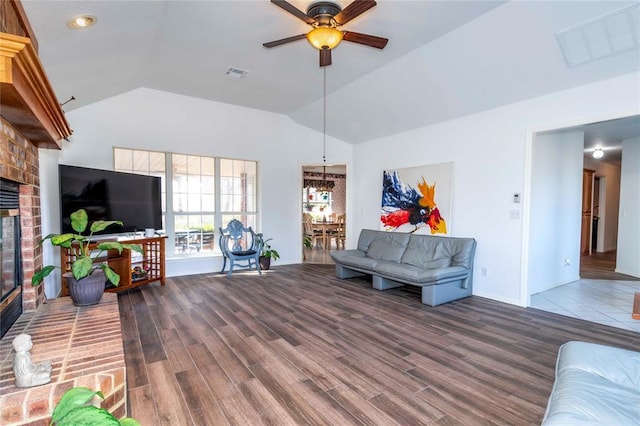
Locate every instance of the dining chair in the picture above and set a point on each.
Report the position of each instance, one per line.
(339, 233)
(342, 229)
(315, 234)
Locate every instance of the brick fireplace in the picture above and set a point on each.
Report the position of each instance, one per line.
(84, 344)
(19, 163)
(31, 118)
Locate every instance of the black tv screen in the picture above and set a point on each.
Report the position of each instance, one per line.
(136, 200)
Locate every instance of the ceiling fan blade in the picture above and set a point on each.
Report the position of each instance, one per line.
(366, 39)
(325, 57)
(284, 40)
(294, 11)
(355, 9)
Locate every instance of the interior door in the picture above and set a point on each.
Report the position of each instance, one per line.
(587, 212)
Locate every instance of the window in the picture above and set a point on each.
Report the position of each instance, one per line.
(193, 188)
(200, 194)
(238, 191)
(319, 204)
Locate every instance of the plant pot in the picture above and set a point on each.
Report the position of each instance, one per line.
(88, 291)
(265, 263)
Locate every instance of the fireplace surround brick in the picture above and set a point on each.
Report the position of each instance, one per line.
(19, 163)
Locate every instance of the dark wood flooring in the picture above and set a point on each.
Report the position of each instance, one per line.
(602, 266)
(299, 346)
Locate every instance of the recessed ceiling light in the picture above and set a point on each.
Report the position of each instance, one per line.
(82, 21)
(598, 153)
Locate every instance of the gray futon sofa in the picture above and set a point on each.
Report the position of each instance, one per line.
(442, 266)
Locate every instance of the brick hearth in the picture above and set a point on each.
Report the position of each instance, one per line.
(85, 349)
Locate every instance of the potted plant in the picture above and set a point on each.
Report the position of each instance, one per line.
(88, 276)
(307, 242)
(75, 407)
(266, 254)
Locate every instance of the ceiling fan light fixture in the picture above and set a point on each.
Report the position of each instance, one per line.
(325, 37)
(598, 153)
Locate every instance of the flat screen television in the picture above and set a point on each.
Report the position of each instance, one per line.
(136, 200)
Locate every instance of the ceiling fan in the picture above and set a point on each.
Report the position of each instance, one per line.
(325, 17)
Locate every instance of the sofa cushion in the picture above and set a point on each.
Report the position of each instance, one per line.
(582, 397)
(463, 250)
(365, 239)
(388, 246)
(620, 366)
(427, 252)
(416, 274)
(354, 258)
(595, 384)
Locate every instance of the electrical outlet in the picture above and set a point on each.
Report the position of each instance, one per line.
(484, 271)
(567, 262)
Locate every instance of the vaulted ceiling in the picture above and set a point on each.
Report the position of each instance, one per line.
(444, 59)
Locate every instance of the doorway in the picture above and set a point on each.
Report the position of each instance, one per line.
(558, 157)
(323, 205)
(590, 288)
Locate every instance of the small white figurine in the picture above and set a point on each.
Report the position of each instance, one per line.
(27, 373)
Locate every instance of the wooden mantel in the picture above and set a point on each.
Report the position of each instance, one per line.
(27, 99)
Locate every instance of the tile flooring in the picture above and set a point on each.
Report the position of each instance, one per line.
(602, 301)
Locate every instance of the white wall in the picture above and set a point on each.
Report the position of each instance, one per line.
(492, 153)
(154, 120)
(555, 200)
(628, 256)
(608, 222)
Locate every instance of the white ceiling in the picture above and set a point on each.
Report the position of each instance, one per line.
(444, 59)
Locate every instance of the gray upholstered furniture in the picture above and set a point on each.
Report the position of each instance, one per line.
(595, 385)
(442, 266)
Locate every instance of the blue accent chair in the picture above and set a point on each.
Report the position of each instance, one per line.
(239, 244)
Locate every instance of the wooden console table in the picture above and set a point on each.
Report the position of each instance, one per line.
(152, 261)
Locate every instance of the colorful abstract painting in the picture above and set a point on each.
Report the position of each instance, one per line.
(417, 199)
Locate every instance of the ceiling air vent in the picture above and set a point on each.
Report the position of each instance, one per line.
(602, 37)
(236, 72)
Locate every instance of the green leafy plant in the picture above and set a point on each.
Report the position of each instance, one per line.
(75, 408)
(84, 265)
(268, 251)
(307, 241)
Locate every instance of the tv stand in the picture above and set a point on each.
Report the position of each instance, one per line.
(135, 270)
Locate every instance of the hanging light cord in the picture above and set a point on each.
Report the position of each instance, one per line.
(324, 128)
(324, 115)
